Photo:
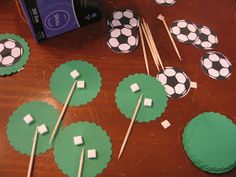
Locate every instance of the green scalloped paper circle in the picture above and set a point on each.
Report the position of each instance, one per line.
(209, 141)
(21, 63)
(61, 82)
(67, 155)
(20, 135)
(151, 88)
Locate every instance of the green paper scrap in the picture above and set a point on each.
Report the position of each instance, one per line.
(209, 141)
(127, 100)
(67, 154)
(61, 82)
(20, 134)
(20, 64)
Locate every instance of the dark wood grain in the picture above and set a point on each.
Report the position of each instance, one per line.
(151, 151)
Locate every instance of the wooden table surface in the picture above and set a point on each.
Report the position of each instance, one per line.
(151, 150)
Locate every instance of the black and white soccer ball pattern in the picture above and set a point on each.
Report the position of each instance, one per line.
(207, 39)
(166, 2)
(10, 52)
(175, 81)
(184, 31)
(216, 65)
(122, 39)
(125, 17)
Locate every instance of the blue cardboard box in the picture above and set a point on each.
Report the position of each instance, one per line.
(49, 18)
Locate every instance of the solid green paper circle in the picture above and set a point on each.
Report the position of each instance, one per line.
(61, 82)
(209, 141)
(20, 134)
(151, 88)
(20, 64)
(67, 154)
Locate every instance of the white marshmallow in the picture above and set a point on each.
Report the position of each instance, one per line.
(81, 84)
(165, 124)
(92, 154)
(74, 74)
(78, 140)
(28, 119)
(42, 129)
(193, 85)
(148, 102)
(134, 87)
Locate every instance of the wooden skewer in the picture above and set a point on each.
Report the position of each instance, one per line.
(150, 47)
(32, 152)
(130, 126)
(81, 163)
(144, 50)
(62, 112)
(162, 18)
(155, 59)
(153, 43)
(158, 58)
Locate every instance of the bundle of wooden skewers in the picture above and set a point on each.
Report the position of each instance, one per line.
(145, 31)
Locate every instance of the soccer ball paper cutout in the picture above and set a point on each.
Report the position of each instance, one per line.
(207, 39)
(184, 31)
(216, 65)
(122, 39)
(10, 52)
(127, 18)
(166, 2)
(177, 84)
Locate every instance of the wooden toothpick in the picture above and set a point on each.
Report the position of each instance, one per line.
(162, 18)
(32, 152)
(62, 112)
(144, 50)
(130, 125)
(81, 163)
(150, 47)
(146, 26)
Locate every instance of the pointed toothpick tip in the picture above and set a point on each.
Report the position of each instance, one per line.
(50, 142)
(119, 156)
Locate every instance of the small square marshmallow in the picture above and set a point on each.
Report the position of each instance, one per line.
(81, 84)
(78, 140)
(165, 124)
(193, 85)
(42, 129)
(74, 74)
(134, 87)
(148, 102)
(92, 154)
(28, 119)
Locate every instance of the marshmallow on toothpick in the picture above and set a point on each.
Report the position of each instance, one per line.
(28, 119)
(78, 140)
(81, 84)
(42, 129)
(74, 74)
(148, 102)
(134, 87)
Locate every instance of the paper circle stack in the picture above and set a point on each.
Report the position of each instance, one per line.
(122, 36)
(209, 141)
(166, 2)
(14, 53)
(188, 32)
